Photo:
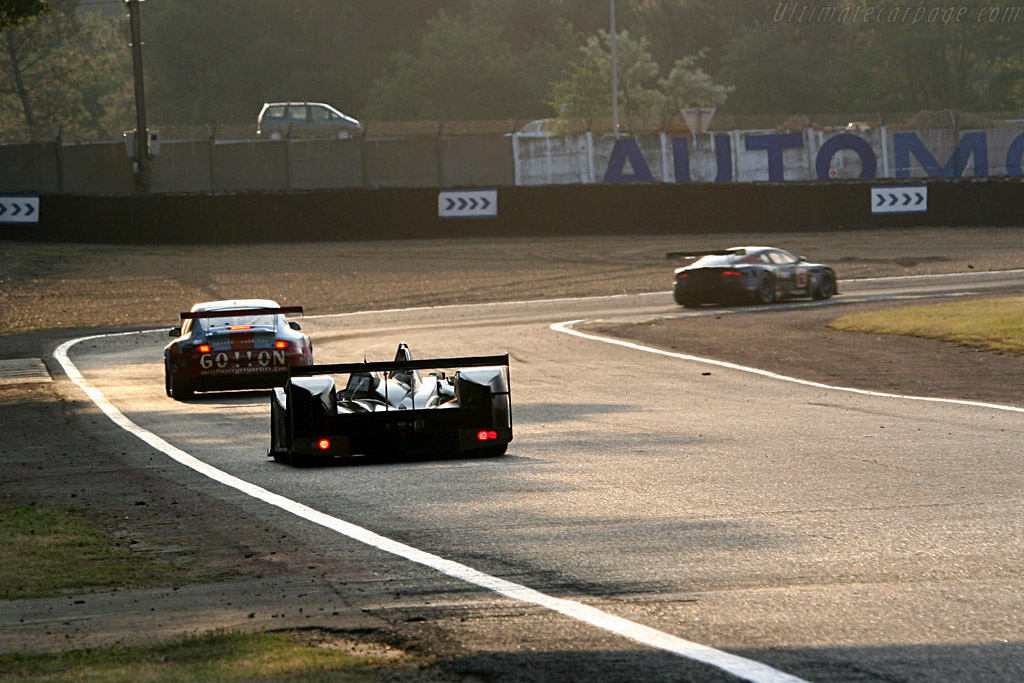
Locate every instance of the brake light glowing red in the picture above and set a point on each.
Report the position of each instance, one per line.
(680, 276)
(279, 344)
(204, 348)
(240, 327)
(484, 435)
(323, 444)
(731, 273)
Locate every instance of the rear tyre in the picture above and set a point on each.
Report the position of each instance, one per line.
(489, 452)
(181, 390)
(765, 293)
(826, 287)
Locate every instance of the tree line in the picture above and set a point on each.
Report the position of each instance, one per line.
(65, 65)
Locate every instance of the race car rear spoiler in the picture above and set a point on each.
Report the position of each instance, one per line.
(231, 312)
(698, 254)
(400, 365)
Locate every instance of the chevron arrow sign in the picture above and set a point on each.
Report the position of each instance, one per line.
(19, 209)
(467, 203)
(899, 199)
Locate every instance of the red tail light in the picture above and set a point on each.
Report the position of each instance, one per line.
(240, 327)
(204, 348)
(484, 435)
(279, 344)
(731, 273)
(680, 276)
(323, 444)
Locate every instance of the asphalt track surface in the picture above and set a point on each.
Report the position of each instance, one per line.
(663, 517)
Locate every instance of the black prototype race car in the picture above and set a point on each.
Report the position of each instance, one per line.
(391, 408)
(234, 344)
(760, 275)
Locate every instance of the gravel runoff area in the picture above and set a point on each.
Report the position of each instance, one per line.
(52, 292)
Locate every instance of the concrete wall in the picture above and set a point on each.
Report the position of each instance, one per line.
(101, 168)
(184, 167)
(226, 166)
(476, 160)
(30, 168)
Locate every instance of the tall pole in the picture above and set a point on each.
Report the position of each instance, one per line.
(615, 77)
(142, 157)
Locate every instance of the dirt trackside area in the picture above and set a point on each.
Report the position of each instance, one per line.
(51, 454)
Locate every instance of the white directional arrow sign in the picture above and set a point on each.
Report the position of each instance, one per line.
(467, 203)
(899, 199)
(19, 209)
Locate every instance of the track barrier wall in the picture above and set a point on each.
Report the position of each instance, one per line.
(404, 213)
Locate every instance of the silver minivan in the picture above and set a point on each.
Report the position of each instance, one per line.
(304, 119)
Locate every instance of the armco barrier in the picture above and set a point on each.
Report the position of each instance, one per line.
(522, 212)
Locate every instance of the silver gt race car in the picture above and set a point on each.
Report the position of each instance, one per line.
(759, 275)
(461, 406)
(234, 344)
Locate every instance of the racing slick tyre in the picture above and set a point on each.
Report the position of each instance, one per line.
(180, 390)
(489, 452)
(826, 287)
(765, 292)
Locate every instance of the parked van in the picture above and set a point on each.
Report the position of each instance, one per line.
(304, 119)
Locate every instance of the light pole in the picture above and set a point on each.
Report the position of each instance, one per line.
(615, 76)
(142, 157)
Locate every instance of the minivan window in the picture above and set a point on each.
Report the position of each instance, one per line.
(297, 112)
(320, 113)
(274, 112)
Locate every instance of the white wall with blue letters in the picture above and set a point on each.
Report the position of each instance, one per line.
(758, 155)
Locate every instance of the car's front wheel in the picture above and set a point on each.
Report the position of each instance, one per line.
(826, 287)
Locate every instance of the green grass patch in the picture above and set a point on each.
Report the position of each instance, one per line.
(217, 656)
(47, 551)
(986, 324)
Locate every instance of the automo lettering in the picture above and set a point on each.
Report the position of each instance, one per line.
(905, 146)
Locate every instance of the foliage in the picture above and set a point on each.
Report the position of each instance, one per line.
(214, 64)
(63, 73)
(473, 67)
(14, 13)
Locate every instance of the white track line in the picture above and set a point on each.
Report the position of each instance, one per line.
(567, 328)
(745, 669)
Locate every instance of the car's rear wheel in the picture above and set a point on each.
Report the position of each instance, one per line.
(765, 292)
(181, 390)
(489, 452)
(685, 301)
(826, 287)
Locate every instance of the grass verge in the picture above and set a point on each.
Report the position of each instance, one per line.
(47, 551)
(995, 324)
(217, 656)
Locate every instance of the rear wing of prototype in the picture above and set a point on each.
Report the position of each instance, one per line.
(698, 254)
(398, 365)
(232, 312)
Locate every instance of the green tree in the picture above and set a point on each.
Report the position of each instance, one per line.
(65, 72)
(14, 13)
(637, 71)
(470, 67)
(688, 85)
(582, 93)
